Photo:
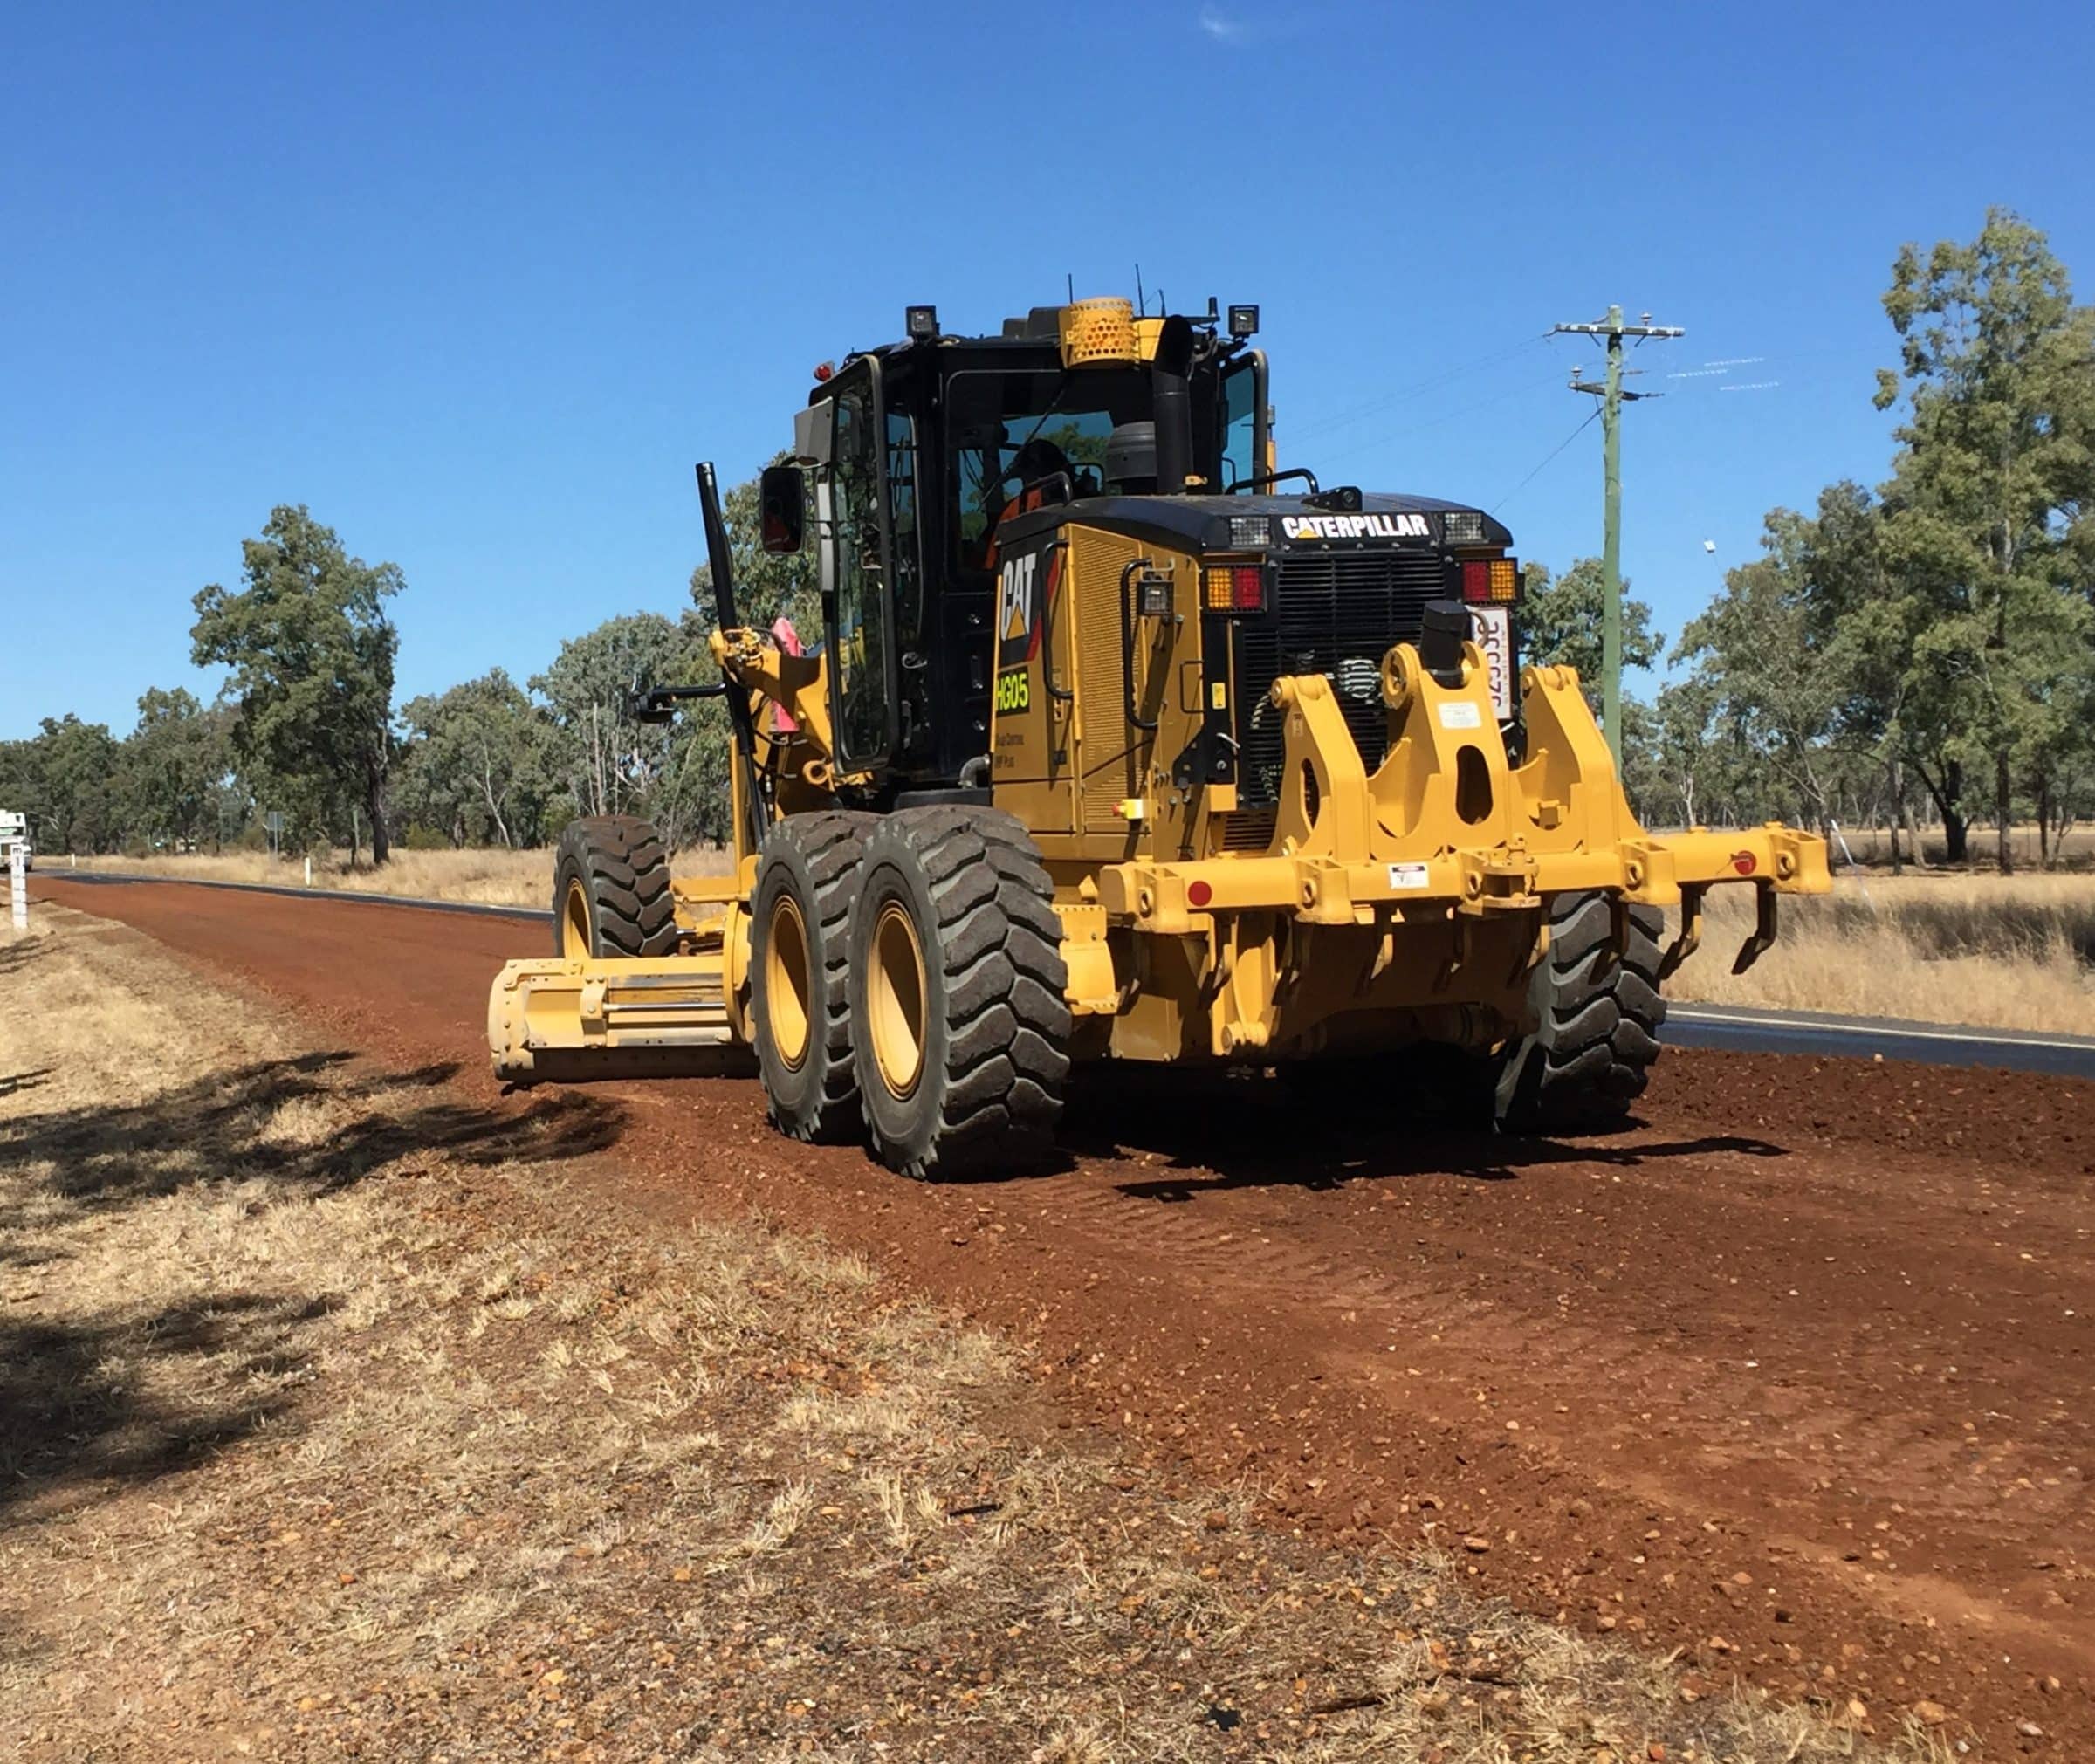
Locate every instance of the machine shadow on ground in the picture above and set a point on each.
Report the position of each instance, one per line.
(110, 1392)
(1218, 1131)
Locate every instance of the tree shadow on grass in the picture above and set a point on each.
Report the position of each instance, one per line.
(218, 1127)
(1216, 1131)
(75, 1409)
(14, 956)
(131, 1391)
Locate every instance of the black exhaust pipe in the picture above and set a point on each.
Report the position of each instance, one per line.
(1172, 404)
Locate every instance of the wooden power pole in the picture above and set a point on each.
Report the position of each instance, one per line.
(1612, 397)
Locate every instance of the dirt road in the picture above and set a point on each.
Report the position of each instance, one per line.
(1793, 1378)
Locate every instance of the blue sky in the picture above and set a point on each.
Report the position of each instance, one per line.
(478, 283)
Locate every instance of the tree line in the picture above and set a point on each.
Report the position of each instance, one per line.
(305, 727)
(1920, 654)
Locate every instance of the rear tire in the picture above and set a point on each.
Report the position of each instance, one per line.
(800, 1009)
(1596, 1035)
(611, 890)
(960, 1022)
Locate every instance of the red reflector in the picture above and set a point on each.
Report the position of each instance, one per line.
(1476, 580)
(1247, 588)
(823, 370)
(1198, 894)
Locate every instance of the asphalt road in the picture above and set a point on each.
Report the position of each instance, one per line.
(1742, 1029)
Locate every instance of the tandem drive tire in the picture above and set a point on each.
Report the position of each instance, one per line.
(611, 890)
(1597, 1024)
(800, 947)
(960, 1025)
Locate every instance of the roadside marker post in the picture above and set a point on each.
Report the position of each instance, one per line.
(14, 842)
(1854, 866)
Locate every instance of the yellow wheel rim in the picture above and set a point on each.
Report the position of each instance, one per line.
(894, 1001)
(574, 922)
(787, 992)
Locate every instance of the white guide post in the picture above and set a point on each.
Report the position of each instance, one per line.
(14, 845)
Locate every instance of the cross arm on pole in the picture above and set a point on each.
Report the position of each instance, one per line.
(1604, 329)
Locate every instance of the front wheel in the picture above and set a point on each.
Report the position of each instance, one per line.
(961, 1024)
(611, 890)
(800, 933)
(1596, 1024)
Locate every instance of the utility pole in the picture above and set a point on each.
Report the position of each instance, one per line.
(1612, 397)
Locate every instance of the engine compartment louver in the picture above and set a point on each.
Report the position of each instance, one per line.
(1333, 613)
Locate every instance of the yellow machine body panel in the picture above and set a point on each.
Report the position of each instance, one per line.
(1264, 881)
(1066, 759)
(1365, 909)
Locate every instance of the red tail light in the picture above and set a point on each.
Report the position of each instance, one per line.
(1487, 581)
(1234, 589)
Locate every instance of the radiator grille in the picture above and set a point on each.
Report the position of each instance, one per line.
(1333, 614)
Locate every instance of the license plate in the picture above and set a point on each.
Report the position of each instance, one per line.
(1494, 627)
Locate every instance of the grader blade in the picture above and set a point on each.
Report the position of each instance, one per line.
(564, 1019)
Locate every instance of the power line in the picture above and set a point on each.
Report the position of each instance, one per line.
(1592, 417)
(1384, 400)
(1363, 445)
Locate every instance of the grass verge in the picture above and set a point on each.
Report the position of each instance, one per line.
(342, 1419)
(492, 878)
(2008, 952)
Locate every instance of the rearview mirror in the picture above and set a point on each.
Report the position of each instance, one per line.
(781, 507)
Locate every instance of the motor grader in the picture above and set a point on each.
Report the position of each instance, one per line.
(1118, 743)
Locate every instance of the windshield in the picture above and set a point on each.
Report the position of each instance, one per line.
(1010, 429)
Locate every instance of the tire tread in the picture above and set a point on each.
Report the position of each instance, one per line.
(998, 941)
(827, 843)
(1591, 1053)
(621, 862)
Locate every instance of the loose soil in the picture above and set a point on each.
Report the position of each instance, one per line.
(1790, 1378)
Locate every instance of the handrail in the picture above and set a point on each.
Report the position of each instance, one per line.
(1066, 694)
(1148, 725)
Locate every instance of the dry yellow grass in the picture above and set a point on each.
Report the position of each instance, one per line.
(339, 1424)
(1873, 847)
(2010, 952)
(495, 876)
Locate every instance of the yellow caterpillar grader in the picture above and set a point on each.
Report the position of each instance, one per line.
(1111, 748)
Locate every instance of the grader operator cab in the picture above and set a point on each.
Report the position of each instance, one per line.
(1111, 750)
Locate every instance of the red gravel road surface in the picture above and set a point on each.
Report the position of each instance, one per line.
(1794, 1376)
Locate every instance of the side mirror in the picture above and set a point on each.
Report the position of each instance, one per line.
(782, 507)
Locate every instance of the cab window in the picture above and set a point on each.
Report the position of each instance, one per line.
(901, 527)
(1243, 395)
(1010, 429)
(858, 647)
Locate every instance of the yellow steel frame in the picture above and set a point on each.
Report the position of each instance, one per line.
(1408, 904)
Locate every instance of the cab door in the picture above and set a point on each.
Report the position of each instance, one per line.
(857, 571)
